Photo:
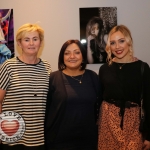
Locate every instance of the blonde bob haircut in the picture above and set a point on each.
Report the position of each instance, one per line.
(29, 28)
(127, 34)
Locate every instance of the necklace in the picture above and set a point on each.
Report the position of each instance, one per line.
(120, 66)
(78, 79)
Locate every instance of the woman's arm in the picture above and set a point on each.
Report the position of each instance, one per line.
(146, 103)
(7, 15)
(89, 51)
(2, 95)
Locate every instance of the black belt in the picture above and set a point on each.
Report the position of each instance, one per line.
(119, 103)
(122, 105)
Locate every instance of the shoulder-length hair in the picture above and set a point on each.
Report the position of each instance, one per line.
(127, 34)
(61, 65)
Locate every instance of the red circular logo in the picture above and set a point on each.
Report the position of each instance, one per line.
(12, 126)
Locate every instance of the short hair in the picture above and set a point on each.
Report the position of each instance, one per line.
(61, 65)
(29, 28)
(127, 34)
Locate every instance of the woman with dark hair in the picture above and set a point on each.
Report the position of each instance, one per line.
(70, 121)
(96, 41)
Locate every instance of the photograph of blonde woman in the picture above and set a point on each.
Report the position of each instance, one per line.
(95, 24)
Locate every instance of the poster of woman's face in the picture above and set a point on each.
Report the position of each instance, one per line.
(6, 35)
(95, 24)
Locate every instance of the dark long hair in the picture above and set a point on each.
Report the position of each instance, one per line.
(100, 37)
(61, 65)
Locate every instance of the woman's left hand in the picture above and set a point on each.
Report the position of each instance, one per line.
(146, 145)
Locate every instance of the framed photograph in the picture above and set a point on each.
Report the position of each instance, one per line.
(6, 34)
(95, 24)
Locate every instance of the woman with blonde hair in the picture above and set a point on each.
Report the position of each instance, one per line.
(122, 80)
(23, 90)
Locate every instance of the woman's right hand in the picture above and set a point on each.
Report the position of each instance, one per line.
(146, 145)
(89, 38)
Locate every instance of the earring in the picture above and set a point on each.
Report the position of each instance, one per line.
(63, 66)
(82, 63)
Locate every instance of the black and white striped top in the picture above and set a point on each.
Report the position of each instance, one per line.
(27, 87)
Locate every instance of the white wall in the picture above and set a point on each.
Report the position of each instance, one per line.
(60, 20)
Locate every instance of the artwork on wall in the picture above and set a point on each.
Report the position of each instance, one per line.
(95, 24)
(6, 34)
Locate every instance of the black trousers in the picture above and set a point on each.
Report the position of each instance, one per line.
(21, 147)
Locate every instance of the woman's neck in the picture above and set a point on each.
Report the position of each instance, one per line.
(123, 60)
(29, 59)
(73, 72)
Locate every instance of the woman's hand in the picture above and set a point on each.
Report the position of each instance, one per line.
(90, 37)
(146, 145)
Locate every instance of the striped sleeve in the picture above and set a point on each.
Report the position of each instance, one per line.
(4, 76)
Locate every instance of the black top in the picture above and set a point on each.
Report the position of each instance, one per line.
(125, 84)
(77, 129)
(98, 52)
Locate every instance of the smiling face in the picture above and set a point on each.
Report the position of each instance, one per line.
(119, 46)
(30, 43)
(73, 57)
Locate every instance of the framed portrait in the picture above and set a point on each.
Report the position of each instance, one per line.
(6, 34)
(95, 24)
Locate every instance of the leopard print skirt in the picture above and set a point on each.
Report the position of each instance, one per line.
(111, 136)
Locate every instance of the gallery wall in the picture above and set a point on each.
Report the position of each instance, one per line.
(60, 20)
